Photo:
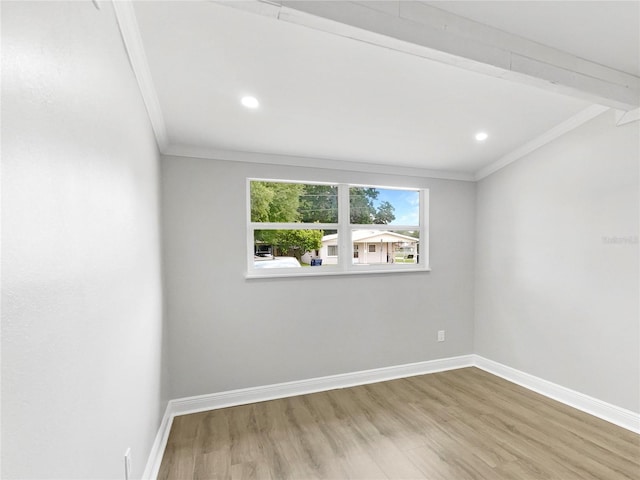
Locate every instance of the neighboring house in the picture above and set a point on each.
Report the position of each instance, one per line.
(372, 246)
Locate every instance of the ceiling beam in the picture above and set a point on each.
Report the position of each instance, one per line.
(419, 29)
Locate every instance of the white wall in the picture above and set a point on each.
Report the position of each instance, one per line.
(553, 298)
(228, 332)
(81, 291)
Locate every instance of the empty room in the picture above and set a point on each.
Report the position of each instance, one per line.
(320, 239)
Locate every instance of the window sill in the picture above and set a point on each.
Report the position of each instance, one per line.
(326, 273)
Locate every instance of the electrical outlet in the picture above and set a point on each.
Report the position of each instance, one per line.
(441, 335)
(127, 464)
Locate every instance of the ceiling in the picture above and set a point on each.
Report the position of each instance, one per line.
(326, 96)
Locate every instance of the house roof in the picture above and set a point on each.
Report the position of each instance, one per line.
(360, 236)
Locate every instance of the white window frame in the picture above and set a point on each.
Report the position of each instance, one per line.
(345, 230)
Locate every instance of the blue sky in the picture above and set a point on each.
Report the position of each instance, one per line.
(406, 203)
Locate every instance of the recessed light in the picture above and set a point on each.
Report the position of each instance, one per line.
(250, 102)
(481, 136)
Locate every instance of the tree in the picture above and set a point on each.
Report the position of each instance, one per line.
(363, 210)
(410, 233)
(275, 202)
(384, 214)
(297, 242)
(261, 197)
(319, 203)
(361, 204)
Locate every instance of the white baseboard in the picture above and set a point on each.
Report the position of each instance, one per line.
(159, 444)
(201, 403)
(606, 411)
(183, 406)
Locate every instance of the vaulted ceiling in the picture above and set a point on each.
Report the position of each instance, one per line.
(401, 84)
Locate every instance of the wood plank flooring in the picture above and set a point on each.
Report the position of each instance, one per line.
(455, 425)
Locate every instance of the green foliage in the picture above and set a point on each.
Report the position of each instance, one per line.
(319, 203)
(362, 209)
(296, 242)
(384, 214)
(275, 202)
(410, 233)
(261, 198)
(361, 206)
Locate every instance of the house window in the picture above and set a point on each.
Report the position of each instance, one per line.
(292, 223)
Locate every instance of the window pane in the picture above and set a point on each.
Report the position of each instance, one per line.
(376, 247)
(293, 202)
(294, 248)
(295, 228)
(369, 205)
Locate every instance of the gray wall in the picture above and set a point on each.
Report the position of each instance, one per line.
(553, 297)
(81, 292)
(228, 332)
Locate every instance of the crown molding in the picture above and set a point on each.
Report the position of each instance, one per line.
(312, 162)
(570, 124)
(134, 47)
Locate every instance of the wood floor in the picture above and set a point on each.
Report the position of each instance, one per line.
(455, 425)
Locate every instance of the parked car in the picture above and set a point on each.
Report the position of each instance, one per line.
(276, 262)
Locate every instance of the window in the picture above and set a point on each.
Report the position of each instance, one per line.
(297, 228)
